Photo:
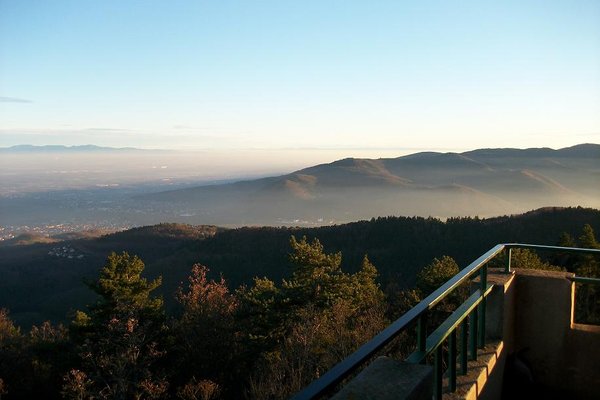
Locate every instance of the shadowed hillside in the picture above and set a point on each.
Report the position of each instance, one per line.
(40, 281)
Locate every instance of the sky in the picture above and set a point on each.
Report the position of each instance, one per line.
(314, 75)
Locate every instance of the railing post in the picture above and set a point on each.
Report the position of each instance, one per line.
(464, 347)
(507, 265)
(422, 332)
(473, 334)
(482, 306)
(481, 327)
(438, 371)
(452, 360)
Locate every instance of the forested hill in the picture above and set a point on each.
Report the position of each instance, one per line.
(40, 281)
(398, 246)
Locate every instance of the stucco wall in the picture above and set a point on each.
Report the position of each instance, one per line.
(563, 356)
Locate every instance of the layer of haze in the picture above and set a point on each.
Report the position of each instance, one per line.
(96, 188)
(44, 171)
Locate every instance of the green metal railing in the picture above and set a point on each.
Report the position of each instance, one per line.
(467, 321)
(584, 280)
(582, 313)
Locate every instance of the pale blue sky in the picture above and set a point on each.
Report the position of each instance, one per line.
(300, 74)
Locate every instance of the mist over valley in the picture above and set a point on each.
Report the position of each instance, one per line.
(53, 190)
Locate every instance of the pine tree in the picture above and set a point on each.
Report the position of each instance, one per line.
(566, 240)
(313, 320)
(436, 274)
(587, 300)
(588, 239)
(120, 339)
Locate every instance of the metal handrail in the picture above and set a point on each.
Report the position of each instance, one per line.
(419, 312)
(511, 246)
(583, 279)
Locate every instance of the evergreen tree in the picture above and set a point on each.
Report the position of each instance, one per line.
(587, 297)
(566, 240)
(587, 239)
(120, 339)
(317, 278)
(122, 290)
(313, 320)
(436, 274)
(564, 259)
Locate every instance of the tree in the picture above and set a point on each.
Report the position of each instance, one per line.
(564, 259)
(434, 275)
(587, 239)
(8, 330)
(367, 292)
(587, 265)
(317, 277)
(205, 344)
(587, 301)
(32, 365)
(261, 315)
(528, 259)
(10, 351)
(120, 339)
(311, 321)
(566, 240)
(123, 290)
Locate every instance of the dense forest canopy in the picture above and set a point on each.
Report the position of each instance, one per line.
(37, 286)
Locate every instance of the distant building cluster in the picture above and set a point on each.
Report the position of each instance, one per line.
(5, 234)
(8, 232)
(65, 252)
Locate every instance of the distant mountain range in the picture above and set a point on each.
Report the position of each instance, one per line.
(28, 148)
(483, 182)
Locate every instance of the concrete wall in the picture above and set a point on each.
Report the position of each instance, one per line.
(532, 313)
(583, 360)
(543, 310)
(564, 357)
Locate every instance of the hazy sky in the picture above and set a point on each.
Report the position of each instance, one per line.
(300, 74)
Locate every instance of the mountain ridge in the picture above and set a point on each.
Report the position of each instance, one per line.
(483, 182)
(52, 148)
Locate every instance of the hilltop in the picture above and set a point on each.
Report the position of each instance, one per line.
(483, 182)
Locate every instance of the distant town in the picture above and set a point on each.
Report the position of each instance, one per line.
(8, 232)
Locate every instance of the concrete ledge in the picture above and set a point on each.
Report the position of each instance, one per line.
(472, 385)
(586, 328)
(387, 378)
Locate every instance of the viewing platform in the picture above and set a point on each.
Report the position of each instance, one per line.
(515, 336)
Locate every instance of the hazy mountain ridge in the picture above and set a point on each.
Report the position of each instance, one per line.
(29, 148)
(482, 182)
